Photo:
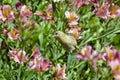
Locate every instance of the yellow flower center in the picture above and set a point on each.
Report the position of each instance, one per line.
(109, 54)
(48, 13)
(15, 52)
(112, 9)
(72, 16)
(13, 32)
(35, 61)
(117, 68)
(6, 12)
(26, 9)
(83, 51)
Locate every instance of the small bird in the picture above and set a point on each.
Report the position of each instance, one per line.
(67, 41)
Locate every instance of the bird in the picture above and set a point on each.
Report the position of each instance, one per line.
(67, 41)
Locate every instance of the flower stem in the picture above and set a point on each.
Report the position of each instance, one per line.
(19, 74)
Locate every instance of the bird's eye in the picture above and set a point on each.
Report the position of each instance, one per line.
(56, 33)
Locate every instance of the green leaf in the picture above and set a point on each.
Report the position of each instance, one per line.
(1, 42)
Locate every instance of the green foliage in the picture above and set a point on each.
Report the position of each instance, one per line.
(95, 31)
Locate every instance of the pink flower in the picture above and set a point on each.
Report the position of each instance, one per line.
(1, 14)
(13, 34)
(102, 10)
(74, 31)
(47, 15)
(114, 11)
(49, 7)
(105, 10)
(25, 11)
(6, 13)
(37, 62)
(115, 68)
(35, 52)
(72, 18)
(18, 55)
(60, 72)
(110, 54)
(78, 3)
(84, 53)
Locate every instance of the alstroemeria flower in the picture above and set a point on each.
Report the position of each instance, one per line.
(47, 15)
(102, 10)
(13, 34)
(6, 13)
(114, 11)
(25, 11)
(78, 3)
(115, 68)
(74, 32)
(110, 54)
(84, 53)
(18, 5)
(35, 52)
(18, 55)
(72, 18)
(37, 62)
(105, 10)
(60, 72)
(1, 14)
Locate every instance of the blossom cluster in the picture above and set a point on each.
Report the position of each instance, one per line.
(37, 62)
(103, 10)
(23, 14)
(110, 55)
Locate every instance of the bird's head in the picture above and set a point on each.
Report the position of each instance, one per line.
(58, 34)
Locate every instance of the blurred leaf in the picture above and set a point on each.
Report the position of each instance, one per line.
(1, 42)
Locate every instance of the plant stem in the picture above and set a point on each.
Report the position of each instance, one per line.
(19, 74)
(113, 31)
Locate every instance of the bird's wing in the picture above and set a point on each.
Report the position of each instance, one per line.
(71, 40)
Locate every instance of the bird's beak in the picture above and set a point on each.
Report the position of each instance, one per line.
(53, 36)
